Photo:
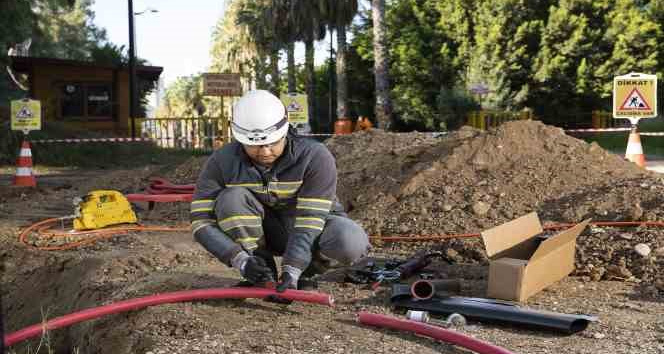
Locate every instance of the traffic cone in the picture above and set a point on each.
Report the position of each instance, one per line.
(24, 176)
(634, 150)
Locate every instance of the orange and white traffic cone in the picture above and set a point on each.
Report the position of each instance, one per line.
(24, 176)
(634, 150)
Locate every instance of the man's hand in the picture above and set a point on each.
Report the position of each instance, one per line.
(289, 278)
(256, 271)
(253, 268)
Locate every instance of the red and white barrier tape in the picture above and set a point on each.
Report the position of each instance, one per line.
(435, 134)
(315, 134)
(597, 130)
(91, 140)
(613, 130)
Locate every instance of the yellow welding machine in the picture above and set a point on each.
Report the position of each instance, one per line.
(102, 208)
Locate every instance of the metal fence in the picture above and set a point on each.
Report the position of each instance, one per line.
(194, 133)
(485, 119)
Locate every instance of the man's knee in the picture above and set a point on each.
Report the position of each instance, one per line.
(235, 200)
(344, 241)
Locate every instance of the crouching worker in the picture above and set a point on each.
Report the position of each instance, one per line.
(271, 193)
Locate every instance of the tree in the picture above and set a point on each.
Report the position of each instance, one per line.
(383, 108)
(420, 64)
(184, 98)
(233, 49)
(507, 35)
(564, 74)
(287, 31)
(57, 28)
(308, 16)
(634, 40)
(339, 14)
(258, 18)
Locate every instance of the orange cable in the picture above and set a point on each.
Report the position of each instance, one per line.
(44, 230)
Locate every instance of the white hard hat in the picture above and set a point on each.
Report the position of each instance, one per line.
(259, 118)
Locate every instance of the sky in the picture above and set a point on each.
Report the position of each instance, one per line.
(177, 37)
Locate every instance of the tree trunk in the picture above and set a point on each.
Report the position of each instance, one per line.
(274, 72)
(290, 55)
(383, 108)
(342, 88)
(260, 71)
(310, 84)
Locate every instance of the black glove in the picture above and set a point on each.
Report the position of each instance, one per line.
(256, 270)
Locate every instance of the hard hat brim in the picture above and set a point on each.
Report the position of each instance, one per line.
(269, 138)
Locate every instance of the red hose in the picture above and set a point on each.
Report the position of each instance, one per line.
(435, 332)
(159, 198)
(166, 298)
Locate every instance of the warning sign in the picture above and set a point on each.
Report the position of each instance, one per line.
(296, 106)
(26, 115)
(635, 96)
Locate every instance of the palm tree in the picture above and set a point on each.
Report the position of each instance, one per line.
(383, 106)
(259, 18)
(287, 31)
(233, 49)
(339, 14)
(308, 16)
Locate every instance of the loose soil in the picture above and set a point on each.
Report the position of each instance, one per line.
(393, 184)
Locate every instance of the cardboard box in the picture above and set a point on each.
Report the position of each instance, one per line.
(522, 263)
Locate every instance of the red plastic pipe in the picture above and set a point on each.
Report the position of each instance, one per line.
(165, 298)
(162, 183)
(435, 332)
(159, 198)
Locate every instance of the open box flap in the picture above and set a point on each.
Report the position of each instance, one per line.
(560, 239)
(510, 234)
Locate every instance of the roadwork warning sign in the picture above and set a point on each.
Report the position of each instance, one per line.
(296, 107)
(635, 96)
(25, 115)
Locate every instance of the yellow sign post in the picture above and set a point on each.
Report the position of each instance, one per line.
(635, 96)
(26, 115)
(296, 107)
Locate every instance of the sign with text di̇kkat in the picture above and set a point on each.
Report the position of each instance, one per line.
(215, 84)
(635, 96)
(26, 115)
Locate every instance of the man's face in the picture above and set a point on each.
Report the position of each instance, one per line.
(265, 155)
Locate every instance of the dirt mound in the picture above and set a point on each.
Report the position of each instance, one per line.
(467, 181)
(188, 171)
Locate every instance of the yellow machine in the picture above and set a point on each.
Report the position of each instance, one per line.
(102, 208)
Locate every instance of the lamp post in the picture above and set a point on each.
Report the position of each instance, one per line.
(132, 70)
(133, 90)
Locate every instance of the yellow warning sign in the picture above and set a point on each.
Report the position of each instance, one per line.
(26, 115)
(296, 106)
(635, 96)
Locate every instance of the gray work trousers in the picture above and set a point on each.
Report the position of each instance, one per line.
(341, 243)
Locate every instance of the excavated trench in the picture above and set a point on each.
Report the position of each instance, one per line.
(394, 184)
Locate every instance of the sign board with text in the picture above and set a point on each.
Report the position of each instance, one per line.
(26, 115)
(296, 107)
(635, 96)
(215, 84)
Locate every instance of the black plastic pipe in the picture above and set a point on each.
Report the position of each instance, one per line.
(488, 310)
